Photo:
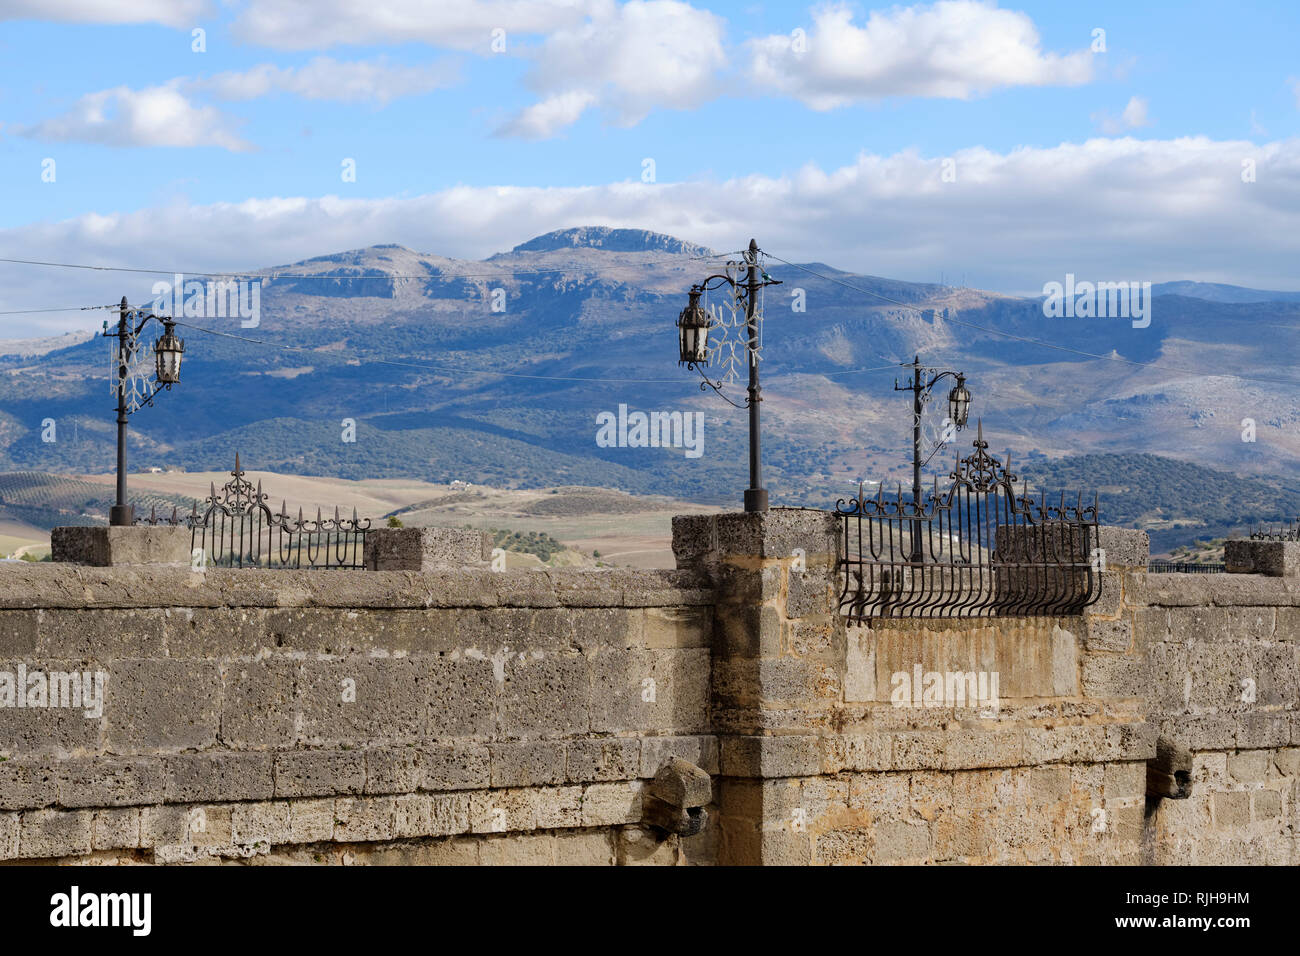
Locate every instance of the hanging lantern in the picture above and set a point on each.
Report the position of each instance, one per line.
(693, 332)
(959, 402)
(168, 351)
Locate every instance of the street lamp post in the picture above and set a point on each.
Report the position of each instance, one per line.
(958, 412)
(693, 327)
(133, 385)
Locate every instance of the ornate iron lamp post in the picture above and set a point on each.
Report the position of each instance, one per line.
(130, 381)
(693, 327)
(958, 412)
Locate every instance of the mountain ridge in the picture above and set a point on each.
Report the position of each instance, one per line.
(440, 383)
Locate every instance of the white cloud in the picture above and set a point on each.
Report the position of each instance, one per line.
(543, 120)
(1135, 113)
(171, 13)
(1133, 117)
(629, 59)
(1136, 210)
(461, 24)
(154, 116)
(953, 49)
(369, 81)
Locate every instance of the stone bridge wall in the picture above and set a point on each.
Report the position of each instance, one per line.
(462, 716)
(473, 716)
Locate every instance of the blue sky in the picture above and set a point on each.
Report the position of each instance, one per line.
(455, 163)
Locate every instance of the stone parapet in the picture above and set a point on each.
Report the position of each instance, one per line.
(1274, 559)
(104, 547)
(426, 549)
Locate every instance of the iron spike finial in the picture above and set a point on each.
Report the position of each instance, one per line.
(237, 469)
(979, 429)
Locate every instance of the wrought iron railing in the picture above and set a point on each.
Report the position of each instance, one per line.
(1289, 533)
(980, 549)
(238, 529)
(1184, 567)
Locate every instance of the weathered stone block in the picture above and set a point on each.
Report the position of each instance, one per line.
(585, 849)
(1274, 559)
(532, 849)
(426, 549)
(28, 785)
(613, 758)
(559, 807)
(49, 834)
(161, 705)
(810, 592)
(430, 815)
(364, 819)
(311, 821)
(1114, 675)
(358, 700)
(37, 728)
(1124, 547)
(117, 829)
(257, 704)
(782, 756)
(547, 695)
(108, 782)
(668, 627)
(314, 773)
(392, 770)
(462, 697)
(499, 811)
(212, 776)
(611, 804)
(262, 822)
(102, 547)
(1111, 636)
(1232, 809)
(18, 630)
(103, 634)
(527, 764)
(454, 767)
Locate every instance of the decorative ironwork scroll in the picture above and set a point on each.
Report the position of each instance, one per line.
(985, 550)
(237, 528)
(730, 329)
(131, 368)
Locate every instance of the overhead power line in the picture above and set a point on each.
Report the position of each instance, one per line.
(458, 369)
(383, 277)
